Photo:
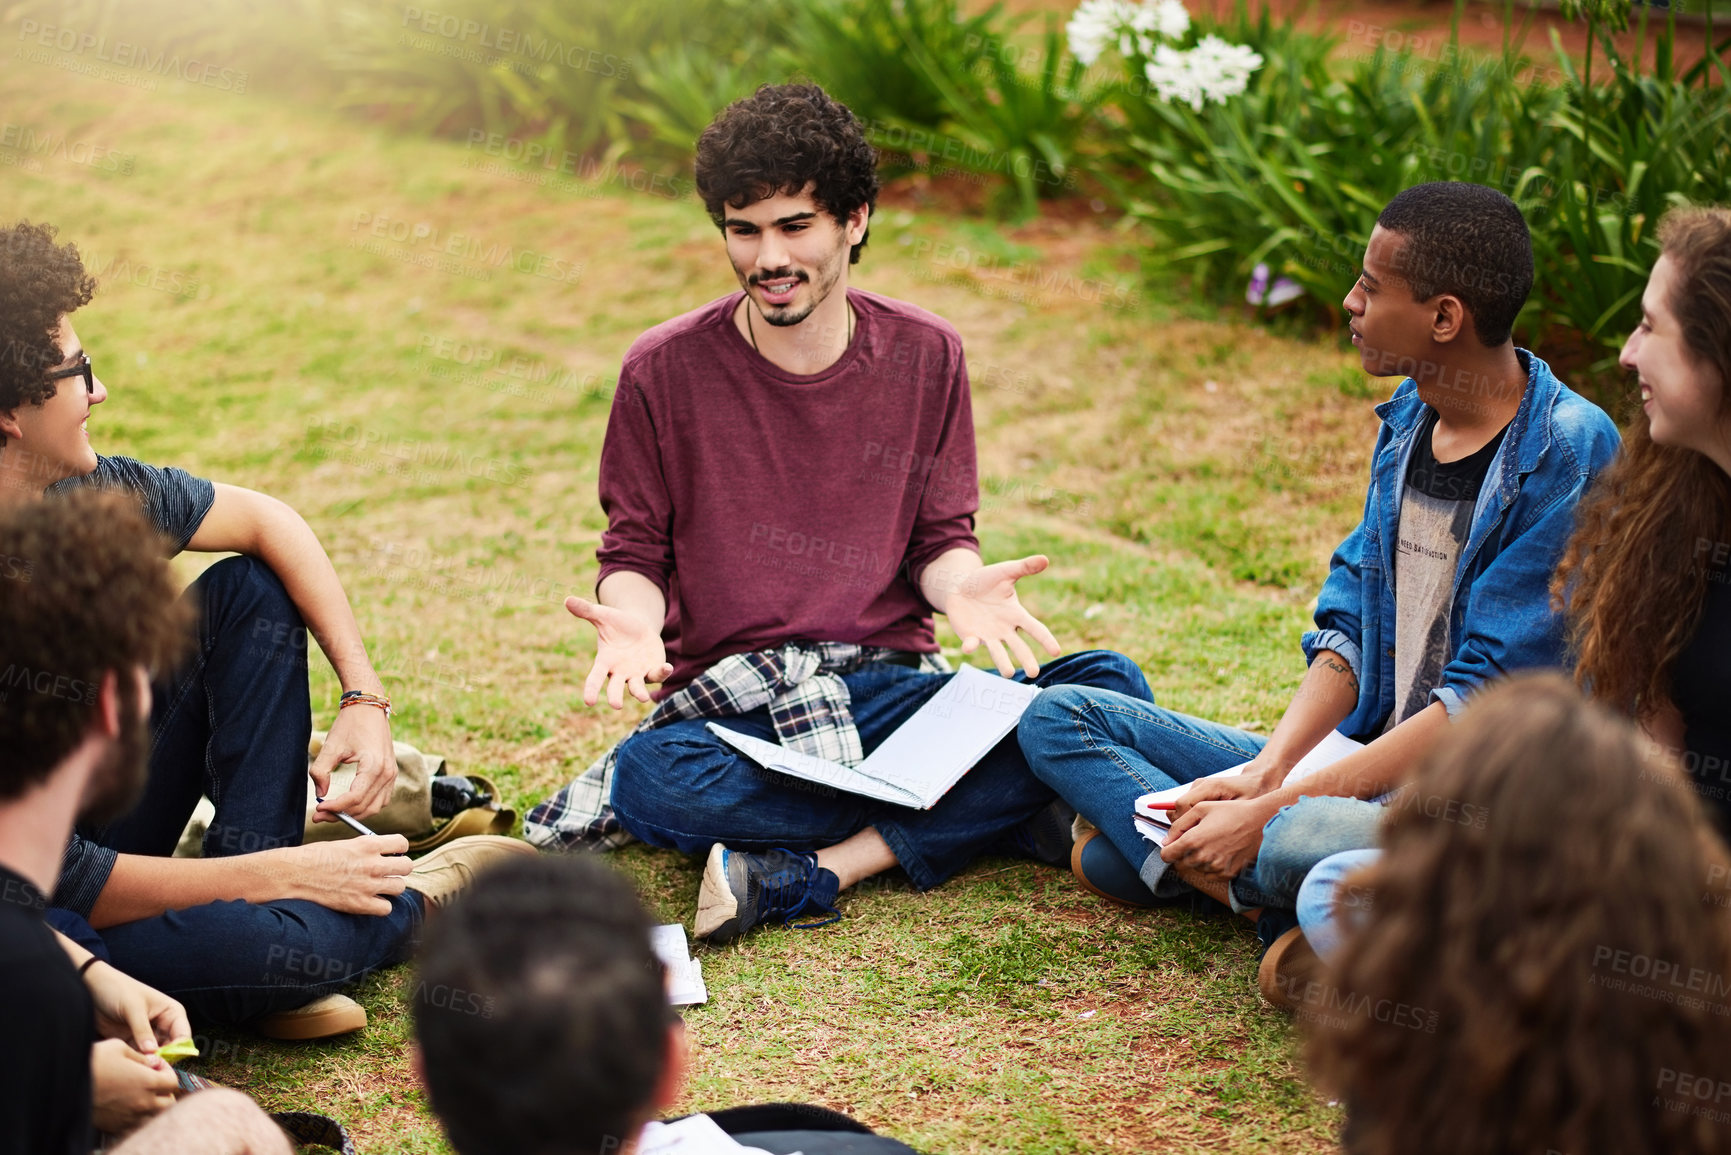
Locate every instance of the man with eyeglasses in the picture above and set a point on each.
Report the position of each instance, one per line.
(262, 929)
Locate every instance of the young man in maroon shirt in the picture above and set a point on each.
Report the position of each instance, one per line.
(790, 487)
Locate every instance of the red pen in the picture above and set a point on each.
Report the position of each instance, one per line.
(1163, 806)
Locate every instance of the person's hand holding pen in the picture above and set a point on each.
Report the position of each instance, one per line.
(354, 875)
(351, 823)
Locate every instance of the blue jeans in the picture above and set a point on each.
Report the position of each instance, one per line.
(1300, 836)
(233, 722)
(1327, 907)
(681, 787)
(1101, 751)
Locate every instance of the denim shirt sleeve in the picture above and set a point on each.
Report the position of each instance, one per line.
(84, 871)
(1338, 627)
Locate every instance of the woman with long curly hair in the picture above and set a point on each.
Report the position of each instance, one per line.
(1544, 967)
(1646, 579)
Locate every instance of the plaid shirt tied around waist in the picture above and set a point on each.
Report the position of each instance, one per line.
(808, 702)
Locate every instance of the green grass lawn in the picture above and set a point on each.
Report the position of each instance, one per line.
(1186, 472)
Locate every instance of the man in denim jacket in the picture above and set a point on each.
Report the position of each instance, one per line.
(1442, 587)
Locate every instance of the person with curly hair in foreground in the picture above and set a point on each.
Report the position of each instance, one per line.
(1556, 977)
(790, 484)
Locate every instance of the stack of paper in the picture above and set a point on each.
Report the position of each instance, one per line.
(684, 973)
(1155, 825)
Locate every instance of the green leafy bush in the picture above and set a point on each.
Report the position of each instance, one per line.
(941, 90)
(1625, 152)
(1291, 173)
(587, 78)
(1294, 172)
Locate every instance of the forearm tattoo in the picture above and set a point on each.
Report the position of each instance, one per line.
(1342, 668)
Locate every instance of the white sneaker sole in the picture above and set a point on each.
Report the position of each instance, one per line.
(716, 904)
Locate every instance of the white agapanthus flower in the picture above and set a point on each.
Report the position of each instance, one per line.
(1213, 70)
(1151, 21)
(1134, 27)
(1169, 19)
(1093, 26)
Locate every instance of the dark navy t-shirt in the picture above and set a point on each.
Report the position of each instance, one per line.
(174, 500)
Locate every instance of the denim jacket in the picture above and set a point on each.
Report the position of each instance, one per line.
(1500, 616)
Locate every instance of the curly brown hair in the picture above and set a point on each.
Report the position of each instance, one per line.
(1528, 937)
(40, 282)
(1630, 577)
(780, 139)
(85, 589)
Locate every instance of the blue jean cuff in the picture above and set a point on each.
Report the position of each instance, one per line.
(1158, 876)
(910, 860)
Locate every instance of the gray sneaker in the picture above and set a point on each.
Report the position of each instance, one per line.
(742, 890)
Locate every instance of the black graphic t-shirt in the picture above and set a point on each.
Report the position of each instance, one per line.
(1436, 516)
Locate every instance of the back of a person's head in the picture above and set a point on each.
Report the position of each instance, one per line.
(1542, 966)
(40, 282)
(1468, 241)
(541, 1011)
(85, 591)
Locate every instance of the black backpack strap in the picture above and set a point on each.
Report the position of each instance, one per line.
(786, 1117)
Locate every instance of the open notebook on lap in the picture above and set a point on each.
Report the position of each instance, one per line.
(927, 754)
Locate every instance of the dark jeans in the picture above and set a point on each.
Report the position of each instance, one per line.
(230, 962)
(681, 787)
(232, 722)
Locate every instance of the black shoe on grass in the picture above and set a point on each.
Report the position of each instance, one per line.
(741, 891)
(1047, 837)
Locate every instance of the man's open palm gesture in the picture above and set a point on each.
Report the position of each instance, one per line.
(628, 654)
(983, 607)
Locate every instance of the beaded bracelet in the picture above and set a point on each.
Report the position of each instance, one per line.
(362, 698)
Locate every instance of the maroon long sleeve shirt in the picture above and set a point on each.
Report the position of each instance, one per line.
(771, 506)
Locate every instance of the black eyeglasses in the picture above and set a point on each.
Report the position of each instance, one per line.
(82, 369)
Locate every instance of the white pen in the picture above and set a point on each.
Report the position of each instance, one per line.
(353, 823)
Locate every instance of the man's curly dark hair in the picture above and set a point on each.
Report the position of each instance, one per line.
(85, 590)
(779, 139)
(40, 282)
